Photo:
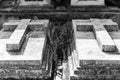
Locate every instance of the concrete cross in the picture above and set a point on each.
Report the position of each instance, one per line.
(100, 27)
(20, 29)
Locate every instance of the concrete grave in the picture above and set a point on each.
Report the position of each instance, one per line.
(19, 29)
(17, 38)
(90, 56)
(100, 28)
(29, 56)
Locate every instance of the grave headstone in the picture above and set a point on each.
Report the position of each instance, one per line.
(35, 2)
(87, 2)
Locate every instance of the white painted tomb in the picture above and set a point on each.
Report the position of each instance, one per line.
(88, 48)
(31, 50)
(100, 28)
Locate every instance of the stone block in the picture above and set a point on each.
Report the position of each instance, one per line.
(29, 2)
(87, 25)
(10, 26)
(36, 25)
(87, 2)
(84, 25)
(107, 23)
(103, 38)
(18, 36)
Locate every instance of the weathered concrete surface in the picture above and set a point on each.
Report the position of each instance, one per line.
(27, 62)
(88, 49)
(87, 2)
(18, 36)
(10, 26)
(71, 69)
(103, 38)
(33, 51)
(38, 25)
(35, 46)
(36, 34)
(107, 23)
(5, 34)
(65, 72)
(34, 25)
(87, 25)
(22, 66)
(84, 35)
(95, 64)
(83, 25)
(44, 2)
(100, 28)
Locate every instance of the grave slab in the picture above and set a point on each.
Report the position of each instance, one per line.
(88, 49)
(29, 63)
(32, 52)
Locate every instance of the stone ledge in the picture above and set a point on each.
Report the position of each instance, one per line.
(87, 3)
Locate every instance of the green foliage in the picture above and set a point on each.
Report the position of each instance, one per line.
(60, 36)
